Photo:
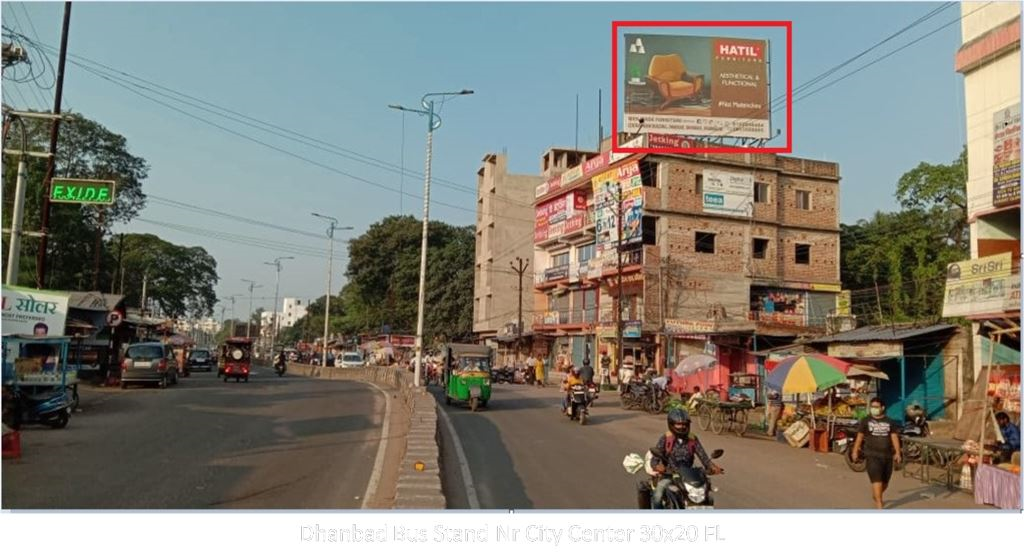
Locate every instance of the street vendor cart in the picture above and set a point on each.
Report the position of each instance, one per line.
(38, 387)
(719, 415)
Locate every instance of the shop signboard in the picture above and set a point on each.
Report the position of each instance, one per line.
(85, 192)
(631, 329)
(1006, 157)
(728, 193)
(627, 181)
(993, 266)
(34, 311)
(688, 327)
(587, 169)
(703, 86)
(556, 273)
(983, 296)
(843, 303)
(561, 215)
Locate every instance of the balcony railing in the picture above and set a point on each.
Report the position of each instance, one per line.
(565, 317)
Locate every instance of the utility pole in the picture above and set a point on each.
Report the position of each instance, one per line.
(433, 123)
(330, 272)
(277, 286)
(663, 297)
(51, 165)
(618, 271)
(18, 215)
(145, 282)
(97, 253)
(248, 321)
(520, 270)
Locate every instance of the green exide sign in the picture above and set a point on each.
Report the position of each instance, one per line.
(93, 192)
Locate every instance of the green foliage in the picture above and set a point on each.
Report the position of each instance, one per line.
(179, 279)
(906, 253)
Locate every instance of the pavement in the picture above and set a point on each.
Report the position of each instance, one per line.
(523, 453)
(272, 443)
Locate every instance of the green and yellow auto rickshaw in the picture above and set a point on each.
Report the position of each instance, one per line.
(466, 374)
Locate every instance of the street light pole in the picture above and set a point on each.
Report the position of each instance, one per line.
(433, 123)
(330, 272)
(248, 321)
(277, 287)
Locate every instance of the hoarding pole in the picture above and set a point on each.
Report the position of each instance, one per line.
(14, 251)
(520, 270)
(51, 164)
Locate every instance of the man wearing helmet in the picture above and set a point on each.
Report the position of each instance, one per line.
(572, 378)
(680, 448)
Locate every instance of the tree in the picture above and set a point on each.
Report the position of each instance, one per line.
(383, 273)
(179, 279)
(896, 262)
(88, 150)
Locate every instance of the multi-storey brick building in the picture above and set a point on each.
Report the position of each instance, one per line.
(716, 249)
(503, 231)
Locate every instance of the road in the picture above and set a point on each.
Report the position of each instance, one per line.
(523, 453)
(272, 443)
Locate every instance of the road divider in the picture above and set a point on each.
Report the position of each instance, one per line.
(419, 474)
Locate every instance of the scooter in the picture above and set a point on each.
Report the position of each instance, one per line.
(52, 408)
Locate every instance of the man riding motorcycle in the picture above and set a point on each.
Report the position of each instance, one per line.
(281, 361)
(680, 448)
(572, 378)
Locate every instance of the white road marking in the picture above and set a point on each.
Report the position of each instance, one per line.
(467, 477)
(378, 464)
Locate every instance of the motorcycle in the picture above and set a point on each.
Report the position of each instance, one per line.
(842, 442)
(52, 408)
(579, 403)
(690, 488)
(280, 367)
(504, 375)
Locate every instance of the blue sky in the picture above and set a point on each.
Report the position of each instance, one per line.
(330, 70)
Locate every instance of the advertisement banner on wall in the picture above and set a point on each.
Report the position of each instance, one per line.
(728, 193)
(697, 86)
(560, 215)
(607, 186)
(631, 330)
(34, 311)
(843, 303)
(1006, 157)
(587, 169)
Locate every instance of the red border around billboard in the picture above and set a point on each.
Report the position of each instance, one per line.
(788, 25)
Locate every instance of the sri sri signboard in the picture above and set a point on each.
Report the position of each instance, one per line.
(981, 286)
(697, 86)
(34, 311)
(86, 192)
(728, 193)
(1006, 157)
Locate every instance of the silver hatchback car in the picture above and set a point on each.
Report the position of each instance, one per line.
(149, 363)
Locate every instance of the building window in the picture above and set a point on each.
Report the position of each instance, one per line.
(699, 188)
(704, 242)
(560, 259)
(649, 173)
(760, 248)
(803, 200)
(761, 193)
(803, 253)
(585, 253)
(649, 230)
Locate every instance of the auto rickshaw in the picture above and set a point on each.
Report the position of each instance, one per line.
(466, 374)
(236, 356)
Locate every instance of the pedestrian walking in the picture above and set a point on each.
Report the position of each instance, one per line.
(879, 440)
(540, 371)
(774, 411)
(606, 368)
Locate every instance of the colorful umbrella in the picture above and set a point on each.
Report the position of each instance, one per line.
(807, 374)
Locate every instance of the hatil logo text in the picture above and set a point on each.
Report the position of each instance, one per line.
(739, 50)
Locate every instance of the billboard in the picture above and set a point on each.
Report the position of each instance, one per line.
(1006, 157)
(561, 215)
(24, 309)
(697, 86)
(981, 286)
(728, 193)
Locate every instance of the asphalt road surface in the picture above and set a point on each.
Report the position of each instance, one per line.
(272, 443)
(522, 453)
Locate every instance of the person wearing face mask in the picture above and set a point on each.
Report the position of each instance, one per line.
(879, 439)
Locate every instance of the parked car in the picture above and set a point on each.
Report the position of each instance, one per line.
(201, 360)
(149, 363)
(352, 360)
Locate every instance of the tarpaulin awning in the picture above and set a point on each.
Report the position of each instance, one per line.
(1002, 355)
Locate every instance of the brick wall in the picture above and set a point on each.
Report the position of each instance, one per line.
(824, 211)
(824, 265)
